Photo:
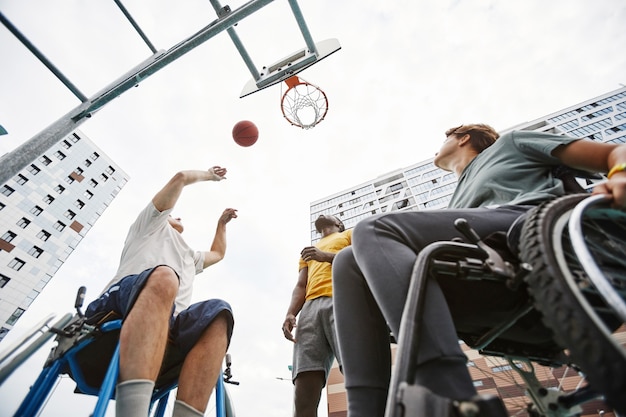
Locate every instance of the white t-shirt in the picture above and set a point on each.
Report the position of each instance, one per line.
(152, 241)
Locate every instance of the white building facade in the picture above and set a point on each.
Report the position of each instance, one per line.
(45, 212)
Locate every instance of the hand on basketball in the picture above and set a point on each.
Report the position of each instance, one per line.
(217, 173)
(288, 325)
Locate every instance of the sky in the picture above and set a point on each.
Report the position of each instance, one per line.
(407, 71)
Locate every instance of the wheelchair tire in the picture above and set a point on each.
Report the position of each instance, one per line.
(570, 306)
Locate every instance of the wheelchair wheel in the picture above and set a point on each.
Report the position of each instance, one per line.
(571, 305)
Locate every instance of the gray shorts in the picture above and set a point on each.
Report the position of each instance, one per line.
(316, 339)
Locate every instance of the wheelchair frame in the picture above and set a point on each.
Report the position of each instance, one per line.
(73, 334)
(478, 261)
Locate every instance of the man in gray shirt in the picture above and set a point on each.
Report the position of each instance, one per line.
(499, 180)
(151, 291)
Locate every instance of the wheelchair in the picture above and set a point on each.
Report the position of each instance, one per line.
(89, 353)
(559, 274)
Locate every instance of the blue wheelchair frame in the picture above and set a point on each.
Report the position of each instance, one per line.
(68, 361)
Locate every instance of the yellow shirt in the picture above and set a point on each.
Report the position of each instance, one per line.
(319, 282)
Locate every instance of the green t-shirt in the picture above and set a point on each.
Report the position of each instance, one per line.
(516, 169)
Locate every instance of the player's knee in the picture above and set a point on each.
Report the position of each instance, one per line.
(164, 282)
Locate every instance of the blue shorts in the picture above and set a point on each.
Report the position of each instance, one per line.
(185, 328)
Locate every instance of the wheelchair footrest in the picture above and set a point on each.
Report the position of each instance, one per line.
(414, 400)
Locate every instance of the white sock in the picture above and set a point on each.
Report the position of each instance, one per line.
(132, 398)
(182, 409)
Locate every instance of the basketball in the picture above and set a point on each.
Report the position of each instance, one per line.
(245, 133)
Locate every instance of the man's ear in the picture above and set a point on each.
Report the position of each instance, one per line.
(465, 139)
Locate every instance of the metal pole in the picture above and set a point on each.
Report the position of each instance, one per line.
(295, 8)
(135, 25)
(235, 38)
(11, 163)
(42, 58)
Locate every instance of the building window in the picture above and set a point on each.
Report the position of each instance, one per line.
(4, 280)
(94, 156)
(59, 189)
(87, 162)
(79, 171)
(45, 160)
(110, 170)
(79, 204)
(59, 226)
(88, 194)
(43, 235)
(60, 155)
(74, 138)
(35, 252)
(15, 316)
(48, 199)
(69, 179)
(103, 178)
(66, 144)
(8, 236)
(93, 183)
(6, 190)
(21, 180)
(33, 169)
(2, 205)
(16, 263)
(69, 214)
(23, 222)
(36, 210)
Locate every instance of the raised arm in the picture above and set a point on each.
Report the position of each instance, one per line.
(297, 301)
(599, 157)
(167, 197)
(218, 248)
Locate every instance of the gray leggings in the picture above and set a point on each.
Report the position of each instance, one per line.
(370, 282)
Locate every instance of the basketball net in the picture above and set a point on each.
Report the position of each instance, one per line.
(303, 104)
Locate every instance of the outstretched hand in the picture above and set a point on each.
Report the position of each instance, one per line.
(227, 215)
(217, 173)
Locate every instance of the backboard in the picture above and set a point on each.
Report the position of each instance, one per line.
(290, 66)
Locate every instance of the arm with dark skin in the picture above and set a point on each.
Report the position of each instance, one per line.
(309, 253)
(297, 301)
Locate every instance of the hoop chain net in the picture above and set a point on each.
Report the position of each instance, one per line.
(304, 105)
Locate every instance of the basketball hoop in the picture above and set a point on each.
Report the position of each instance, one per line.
(303, 104)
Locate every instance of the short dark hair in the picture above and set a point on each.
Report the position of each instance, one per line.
(482, 136)
(338, 223)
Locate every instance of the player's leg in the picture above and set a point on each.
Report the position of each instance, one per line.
(308, 390)
(144, 332)
(203, 365)
(145, 301)
(312, 357)
(362, 338)
(200, 337)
